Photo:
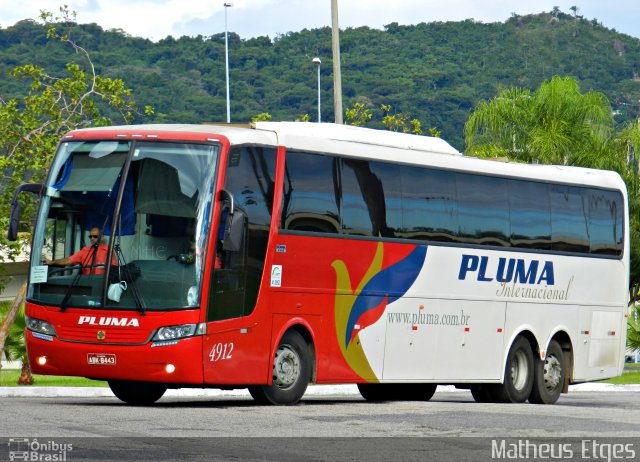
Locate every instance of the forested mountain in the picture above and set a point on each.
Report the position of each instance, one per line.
(434, 72)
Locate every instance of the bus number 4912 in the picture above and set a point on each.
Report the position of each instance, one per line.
(221, 351)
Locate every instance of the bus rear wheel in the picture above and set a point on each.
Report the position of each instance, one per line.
(137, 393)
(291, 373)
(549, 376)
(518, 374)
(397, 391)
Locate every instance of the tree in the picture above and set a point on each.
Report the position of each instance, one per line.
(12, 337)
(31, 126)
(575, 10)
(358, 115)
(262, 117)
(399, 122)
(558, 124)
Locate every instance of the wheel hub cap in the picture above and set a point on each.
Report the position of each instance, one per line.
(286, 367)
(552, 372)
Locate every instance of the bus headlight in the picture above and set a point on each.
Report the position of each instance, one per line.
(178, 332)
(42, 327)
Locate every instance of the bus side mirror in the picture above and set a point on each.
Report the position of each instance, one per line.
(16, 208)
(14, 221)
(234, 231)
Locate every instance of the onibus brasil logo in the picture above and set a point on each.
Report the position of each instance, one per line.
(30, 449)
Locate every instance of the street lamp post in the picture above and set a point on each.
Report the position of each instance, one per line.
(317, 62)
(226, 55)
(335, 47)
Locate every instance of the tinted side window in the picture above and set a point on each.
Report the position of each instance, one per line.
(568, 220)
(430, 210)
(371, 202)
(605, 222)
(310, 200)
(483, 210)
(530, 215)
(250, 178)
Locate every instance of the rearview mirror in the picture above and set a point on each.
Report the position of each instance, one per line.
(14, 221)
(16, 208)
(234, 231)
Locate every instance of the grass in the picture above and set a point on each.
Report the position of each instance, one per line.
(9, 378)
(4, 307)
(631, 375)
(627, 377)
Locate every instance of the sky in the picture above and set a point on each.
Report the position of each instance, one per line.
(157, 19)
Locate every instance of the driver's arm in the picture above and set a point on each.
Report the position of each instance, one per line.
(57, 262)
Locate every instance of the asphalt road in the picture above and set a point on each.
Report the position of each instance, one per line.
(322, 427)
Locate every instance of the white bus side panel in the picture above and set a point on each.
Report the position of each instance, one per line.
(600, 349)
(447, 340)
(458, 319)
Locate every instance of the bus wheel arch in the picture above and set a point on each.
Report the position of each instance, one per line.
(293, 368)
(553, 374)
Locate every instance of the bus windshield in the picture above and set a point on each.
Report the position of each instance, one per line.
(144, 204)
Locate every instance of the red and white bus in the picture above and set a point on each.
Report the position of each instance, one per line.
(276, 255)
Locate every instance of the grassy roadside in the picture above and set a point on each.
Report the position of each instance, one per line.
(631, 375)
(9, 378)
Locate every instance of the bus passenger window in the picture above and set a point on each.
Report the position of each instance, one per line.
(310, 199)
(568, 220)
(429, 204)
(605, 222)
(371, 203)
(530, 215)
(483, 210)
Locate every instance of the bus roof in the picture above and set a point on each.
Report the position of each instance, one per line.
(355, 142)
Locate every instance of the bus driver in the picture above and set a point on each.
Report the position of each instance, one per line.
(92, 257)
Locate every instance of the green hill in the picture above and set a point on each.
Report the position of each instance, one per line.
(435, 72)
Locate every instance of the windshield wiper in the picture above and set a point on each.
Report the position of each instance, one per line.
(129, 277)
(74, 282)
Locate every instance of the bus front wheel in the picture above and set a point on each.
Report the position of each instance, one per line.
(137, 393)
(518, 374)
(548, 376)
(291, 372)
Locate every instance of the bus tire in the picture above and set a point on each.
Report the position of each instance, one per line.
(137, 393)
(417, 391)
(518, 374)
(481, 394)
(377, 392)
(291, 372)
(548, 376)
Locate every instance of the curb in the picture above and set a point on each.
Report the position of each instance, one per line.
(313, 390)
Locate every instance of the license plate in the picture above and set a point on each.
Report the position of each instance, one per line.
(101, 359)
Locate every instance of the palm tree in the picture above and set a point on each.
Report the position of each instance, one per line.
(633, 330)
(12, 341)
(555, 124)
(15, 348)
